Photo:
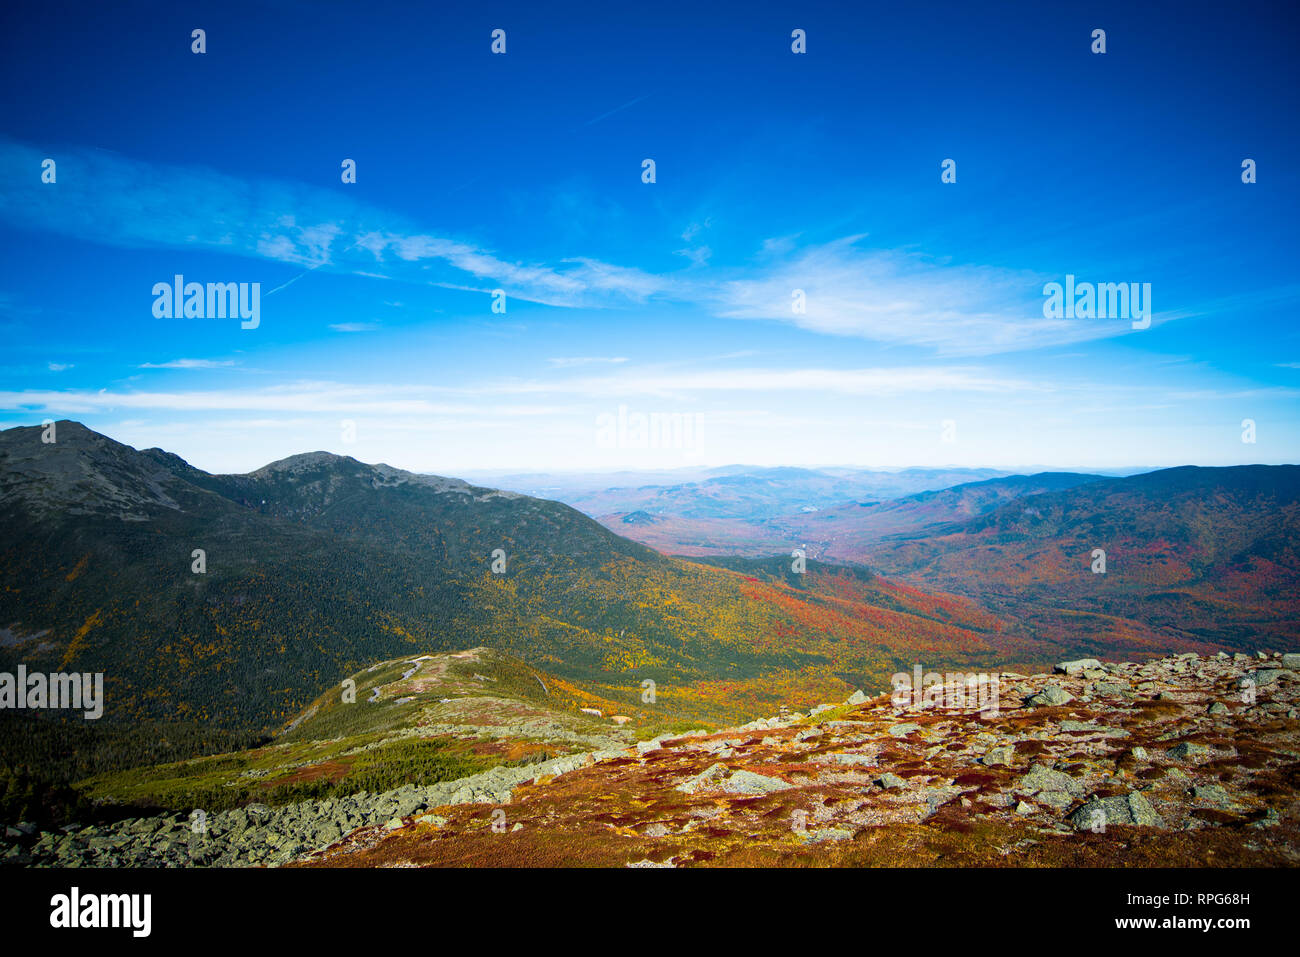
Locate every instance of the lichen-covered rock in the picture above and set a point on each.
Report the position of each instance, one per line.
(747, 782)
(1188, 751)
(1075, 667)
(1131, 808)
(1050, 696)
(1043, 778)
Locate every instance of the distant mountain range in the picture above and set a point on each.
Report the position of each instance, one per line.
(744, 492)
(1192, 554)
(833, 527)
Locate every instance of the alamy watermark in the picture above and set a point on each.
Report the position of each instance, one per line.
(956, 691)
(215, 300)
(1102, 300)
(77, 691)
(648, 430)
(129, 911)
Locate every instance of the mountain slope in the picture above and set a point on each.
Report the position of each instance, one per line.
(833, 531)
(319, 563)
(1208, 554)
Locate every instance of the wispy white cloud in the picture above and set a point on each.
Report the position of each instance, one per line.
(698, 255)
(301, 397)
(565, 362)
(1264, 392)
(189, 364)
(849, 382)
(851, 289)
(315, 397)
(905, 299)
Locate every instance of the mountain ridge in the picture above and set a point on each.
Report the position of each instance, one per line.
(314, 567)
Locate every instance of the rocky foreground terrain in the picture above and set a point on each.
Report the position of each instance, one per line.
(1180, 761)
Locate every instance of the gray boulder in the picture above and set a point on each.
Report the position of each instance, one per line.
(1215, 796)
(1131, 808)
(1001, 756)
(1188, 751)
(1075, 667)
(707, 779)
(747, 782)
(1111, 688)
(1050, 696)
(1043, 778)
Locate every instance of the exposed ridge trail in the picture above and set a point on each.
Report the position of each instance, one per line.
(1183, 760)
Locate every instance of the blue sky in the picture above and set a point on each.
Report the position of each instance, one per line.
(774, 172)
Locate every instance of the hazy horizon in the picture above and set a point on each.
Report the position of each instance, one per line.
(699, 472)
